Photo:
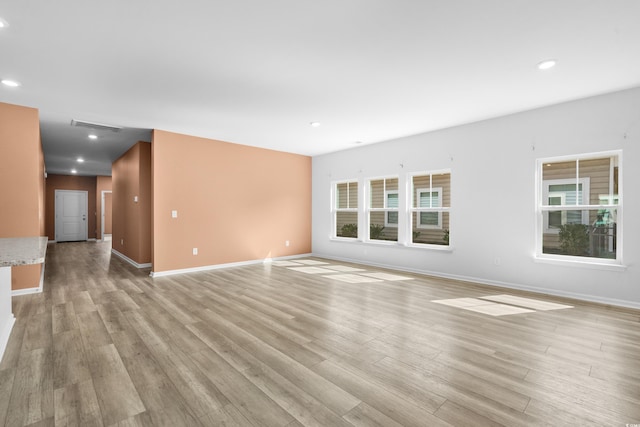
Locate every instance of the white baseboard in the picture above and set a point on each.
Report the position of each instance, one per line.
(495, 283)
(26, 291)
(129, 260)
(4, 335)
(221, 266)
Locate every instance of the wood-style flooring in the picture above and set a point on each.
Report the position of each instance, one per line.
(265, 345)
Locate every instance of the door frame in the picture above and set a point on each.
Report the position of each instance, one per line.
(55, 211)
(102, 193)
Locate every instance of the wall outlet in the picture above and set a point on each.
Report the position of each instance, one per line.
(497, 261)
(286, 243)
(122, 241)
(174, 214)
(195, 251)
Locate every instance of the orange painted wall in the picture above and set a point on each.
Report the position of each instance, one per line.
(70, 182)
(131, 220)
(235, 203)
(21, 183)
(108, 210)
(103, 183)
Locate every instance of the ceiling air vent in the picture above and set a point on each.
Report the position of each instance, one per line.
(95, 126)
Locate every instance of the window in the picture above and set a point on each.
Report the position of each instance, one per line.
(345, 209)
(430, 205)
(383, 209)
(579, 208)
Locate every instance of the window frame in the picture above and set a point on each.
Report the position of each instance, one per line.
(616, 204)
(413, 192)
(368, 209)
(335, 209)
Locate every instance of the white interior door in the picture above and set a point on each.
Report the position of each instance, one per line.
(71, 215)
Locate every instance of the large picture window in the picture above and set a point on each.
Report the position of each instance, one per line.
(383, 209)
(579, 207)
(345, 209)
(430, 206)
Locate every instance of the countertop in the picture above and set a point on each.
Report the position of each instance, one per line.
(22, 250)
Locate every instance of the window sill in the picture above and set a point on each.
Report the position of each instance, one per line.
(439, 248)
(423, 247)
(581, 264)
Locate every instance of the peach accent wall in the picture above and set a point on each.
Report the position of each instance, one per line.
(103, 183)
(70, 182)
(235, 203)
(108, 211)
(131, 221)
(21, 183)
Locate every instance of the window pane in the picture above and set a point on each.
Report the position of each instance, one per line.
(391, 184)
(377, 229)
(588, 233)
(431, 236)
(443, 181)
(353, 195)
(603, 180)
(392, 218)
(429, 218)
(392, 200)
(347, 224)
(419, 182)
(377, 193)
(341, 196)
(559, 170)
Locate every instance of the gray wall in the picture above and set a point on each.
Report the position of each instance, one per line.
(496, 159)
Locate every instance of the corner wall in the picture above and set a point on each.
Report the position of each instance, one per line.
(131, 176)
(235, 203)
(493, 212)
(21, 184)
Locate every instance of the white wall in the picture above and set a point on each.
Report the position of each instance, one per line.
(496, 159)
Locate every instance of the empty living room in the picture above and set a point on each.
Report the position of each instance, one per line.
(363, 213)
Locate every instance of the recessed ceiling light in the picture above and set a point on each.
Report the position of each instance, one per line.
(74, 171)
(80, 160)
(546, 64)
(10, 83)
(3, 23)
(314, 124)
(93, 136)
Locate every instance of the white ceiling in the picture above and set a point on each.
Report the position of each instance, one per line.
(258, 72)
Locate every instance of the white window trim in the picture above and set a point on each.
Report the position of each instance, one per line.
(429, 209)
(368, 209)
(588, 262)
(563, 207)
(411, 191)
(335, 209)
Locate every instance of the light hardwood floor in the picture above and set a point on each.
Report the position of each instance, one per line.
(265, 345)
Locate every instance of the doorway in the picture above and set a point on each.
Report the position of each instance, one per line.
(71, 215)
(105, 215)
